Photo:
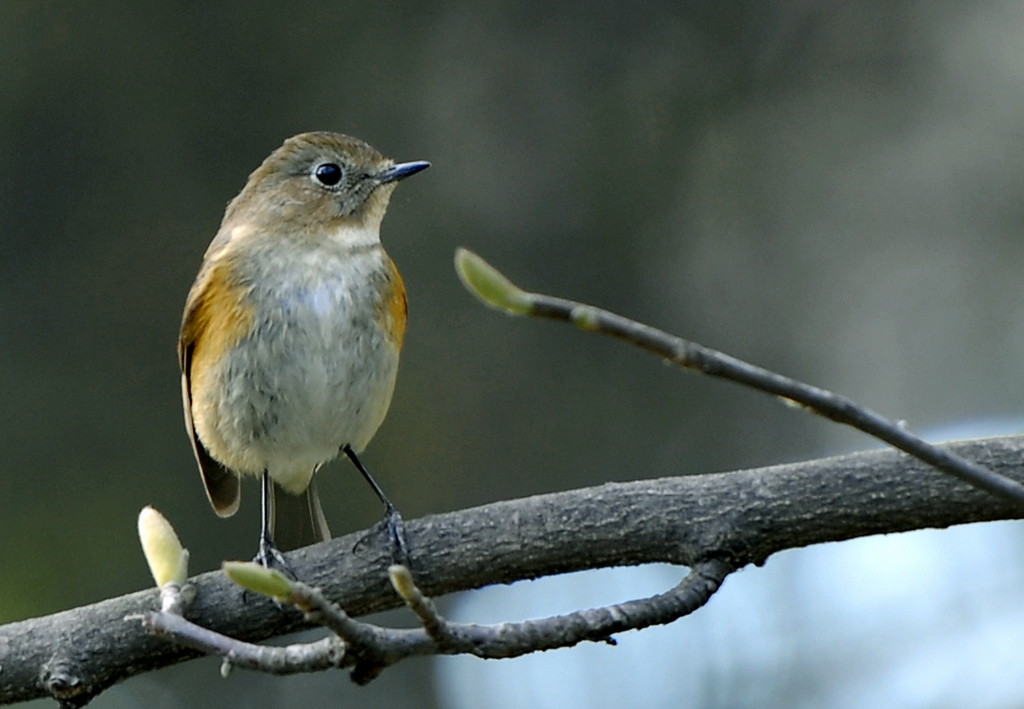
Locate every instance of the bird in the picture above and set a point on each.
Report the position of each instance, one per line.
(291, 333)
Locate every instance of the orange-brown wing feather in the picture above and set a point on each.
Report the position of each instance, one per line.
(394, 310)
(222, 486)
(215, 319)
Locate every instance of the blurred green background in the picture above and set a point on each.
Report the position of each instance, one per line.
(832, 190)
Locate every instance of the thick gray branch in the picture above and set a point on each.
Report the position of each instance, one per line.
(743, 516)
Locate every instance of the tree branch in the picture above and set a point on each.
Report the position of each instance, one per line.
(495, 290)
(739, 517)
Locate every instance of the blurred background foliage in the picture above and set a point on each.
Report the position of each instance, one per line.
(829, 189)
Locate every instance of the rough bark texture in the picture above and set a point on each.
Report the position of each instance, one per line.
(743, 517)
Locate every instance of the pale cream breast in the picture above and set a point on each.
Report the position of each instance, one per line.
(317, 369)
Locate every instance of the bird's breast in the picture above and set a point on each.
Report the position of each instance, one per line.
(317, 369)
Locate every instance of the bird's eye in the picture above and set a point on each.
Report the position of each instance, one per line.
(328, 174)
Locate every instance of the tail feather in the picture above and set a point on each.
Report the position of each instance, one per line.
(298, 519)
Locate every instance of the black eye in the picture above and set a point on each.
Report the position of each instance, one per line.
(328, 174)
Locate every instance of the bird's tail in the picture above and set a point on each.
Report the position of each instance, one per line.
(298, 520)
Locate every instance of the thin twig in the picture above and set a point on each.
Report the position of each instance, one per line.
(369, 649)
(324, 654)
(507, 640)
(435, 625)
(169, 622)
(497, 291)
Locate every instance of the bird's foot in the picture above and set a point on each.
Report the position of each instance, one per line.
(269, 557)
(394, 527)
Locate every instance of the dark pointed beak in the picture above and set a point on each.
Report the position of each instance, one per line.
(401, 171)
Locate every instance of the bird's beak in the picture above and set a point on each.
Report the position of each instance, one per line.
(401, 171)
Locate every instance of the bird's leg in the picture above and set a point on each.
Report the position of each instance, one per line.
(393, 520)
(268, 555)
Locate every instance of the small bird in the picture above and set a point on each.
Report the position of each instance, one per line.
(290, 338)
